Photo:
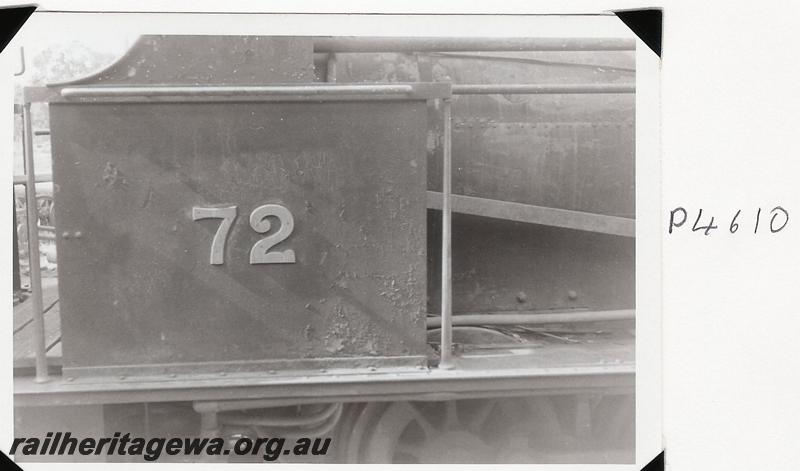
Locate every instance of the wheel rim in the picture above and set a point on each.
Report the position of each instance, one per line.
(405, 432)
(501, 430)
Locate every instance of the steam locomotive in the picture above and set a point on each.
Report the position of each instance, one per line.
(421, 247)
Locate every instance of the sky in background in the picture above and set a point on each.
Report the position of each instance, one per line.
(69, 38)
(103, 45)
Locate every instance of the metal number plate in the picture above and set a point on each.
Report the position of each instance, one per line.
(259, 222)
(228, 215)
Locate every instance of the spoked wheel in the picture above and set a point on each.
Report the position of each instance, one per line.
(499, 430)
(464, 431)
(414, 432)
(44, 205)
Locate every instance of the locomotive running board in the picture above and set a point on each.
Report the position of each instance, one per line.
(335, 386)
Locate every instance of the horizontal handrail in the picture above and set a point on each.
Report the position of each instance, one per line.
(340, 90)
(316, 91)
(78, 92)
(540, 89)
(429, 44)
(417, 90)
(41, 178)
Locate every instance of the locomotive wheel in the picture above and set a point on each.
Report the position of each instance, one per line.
(567, 429)
(465, 431)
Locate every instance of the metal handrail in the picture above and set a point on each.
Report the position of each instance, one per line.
(446, 349)
(39, 340)
(277, 90)
(540, 89)
(432, 44)
(341, 90)
(23, 179)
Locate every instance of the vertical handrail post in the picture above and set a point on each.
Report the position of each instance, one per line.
(446, 348)
(17, 279)
(33, 248)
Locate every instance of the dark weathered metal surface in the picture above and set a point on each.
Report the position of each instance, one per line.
(566, 151)
(571, 152)
(578, 166)
(506, 266)
(137, 288)
(210, 60)
(563, 160)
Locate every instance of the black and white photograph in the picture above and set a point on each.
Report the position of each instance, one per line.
(291, 242)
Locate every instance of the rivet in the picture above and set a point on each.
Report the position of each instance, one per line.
(572, 295)
(122, 377)
(372, 368)
(272, 372)
(66, 235)
(70, 378)
(78, 234)
(323, 370)
(522, 297)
